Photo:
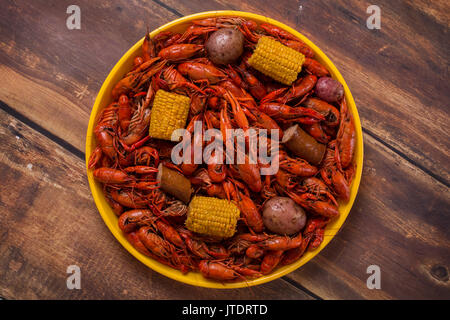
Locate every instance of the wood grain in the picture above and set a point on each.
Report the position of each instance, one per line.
(48, 221)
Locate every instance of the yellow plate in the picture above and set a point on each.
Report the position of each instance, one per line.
(104, 98)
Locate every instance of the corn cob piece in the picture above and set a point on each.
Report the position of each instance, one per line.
(276, 60)
(169, 112)
(212, 216)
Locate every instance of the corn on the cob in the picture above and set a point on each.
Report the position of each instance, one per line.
(276, 60)
(169, 112)
(212, 216)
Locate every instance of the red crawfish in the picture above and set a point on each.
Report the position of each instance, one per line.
(284, 112)
(331, 173)
(311, 203)
(346, 136)
(281, 242)
(271, 259)
(177, 52)
(200, 71)
(132, 82)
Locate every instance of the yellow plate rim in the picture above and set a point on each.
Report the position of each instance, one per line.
(196, 279)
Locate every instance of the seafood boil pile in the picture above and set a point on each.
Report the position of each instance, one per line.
(228, 221)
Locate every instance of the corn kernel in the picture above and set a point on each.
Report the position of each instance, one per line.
(169, 112)
(276, 60)
(212, 216)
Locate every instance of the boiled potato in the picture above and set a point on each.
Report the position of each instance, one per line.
(283, 216)
(225, 45)
(329, 89)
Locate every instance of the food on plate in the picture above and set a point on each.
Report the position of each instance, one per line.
(212, 217)
(228, 220)
(283, 216)
(169, 113)
(174, 183)
(276, 60)
(303, 145)
(329, 89)
(225, 45)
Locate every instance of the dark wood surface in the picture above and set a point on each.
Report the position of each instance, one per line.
(398, 76)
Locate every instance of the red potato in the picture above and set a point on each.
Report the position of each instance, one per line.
(225, 45)
(329, 89)
(283, 216)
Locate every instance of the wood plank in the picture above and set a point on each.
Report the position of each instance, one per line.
(68, 120)
(400, 223)
(48, 221)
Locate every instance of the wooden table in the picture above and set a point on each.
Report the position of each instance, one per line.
(399, 76)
